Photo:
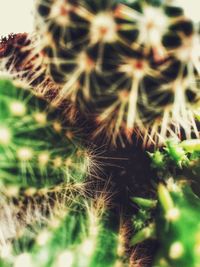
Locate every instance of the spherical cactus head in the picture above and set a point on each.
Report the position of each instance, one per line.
(125, 61)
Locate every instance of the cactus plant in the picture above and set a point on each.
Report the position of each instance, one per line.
(135, 71)
(139, 74)
(77, 236)
(36, 149)
(176, 209)
(179, 248)
(130, 68)
(41, 159)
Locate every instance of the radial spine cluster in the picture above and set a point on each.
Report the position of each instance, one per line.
(136, 62)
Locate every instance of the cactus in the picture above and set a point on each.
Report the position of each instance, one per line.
(176, 209)
(36, 149)
(135, 72)
(19, 59)
(79, 236)
(129, 68)
(179, 248)
(41, 160)
(140, 74)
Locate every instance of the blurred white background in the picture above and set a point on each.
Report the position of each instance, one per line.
(16, 15)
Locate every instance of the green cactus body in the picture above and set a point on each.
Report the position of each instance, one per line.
(178, 229)
(179, 158)
(78, 236)
(174, 221)
(36, 150)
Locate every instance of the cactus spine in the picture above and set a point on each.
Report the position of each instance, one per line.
(176, 209)
(135, 71)
(36, 149)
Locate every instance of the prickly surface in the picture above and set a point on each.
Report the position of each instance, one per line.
(137, 63)
(36, 149)
(173, 217)
(81, 235)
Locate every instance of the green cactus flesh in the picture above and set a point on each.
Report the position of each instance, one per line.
(36, 150)
(79, 236)
(178, 229)
(173, 218)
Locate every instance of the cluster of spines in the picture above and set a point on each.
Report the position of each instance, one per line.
(168, 217)
(79, 235)
(41, 159)
(18, 60)
(134, 61)
(49, 212)
(36, 149)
